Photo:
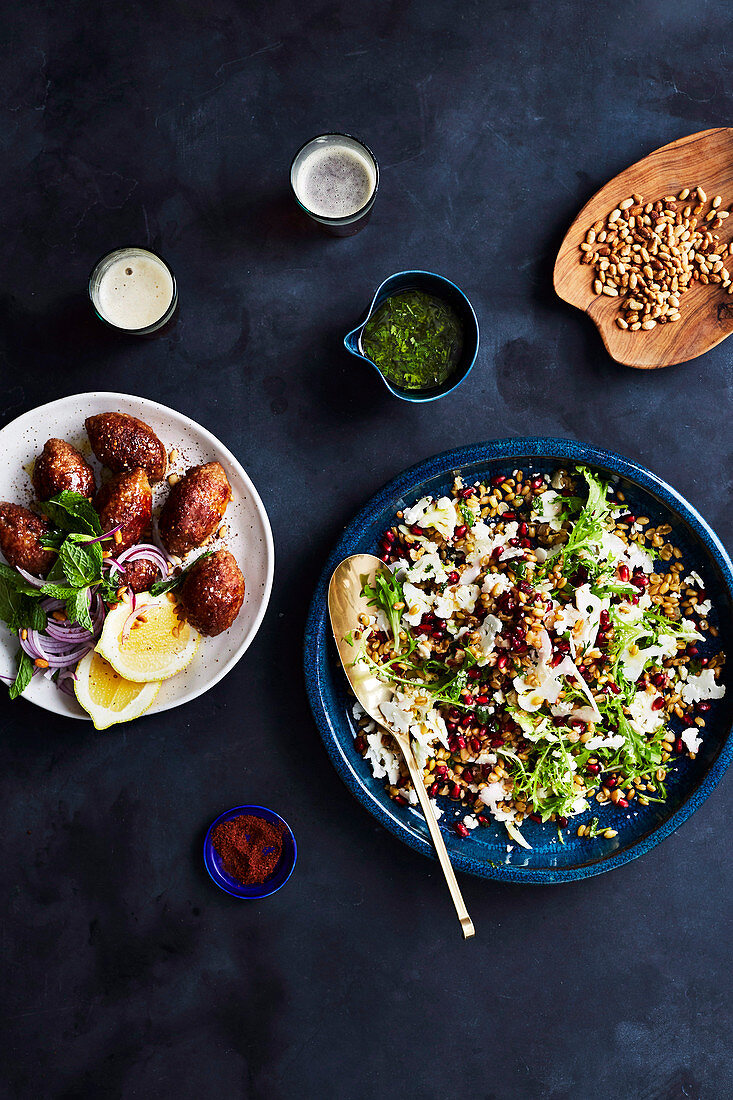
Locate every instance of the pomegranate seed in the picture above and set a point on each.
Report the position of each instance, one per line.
(635, 600)
(628, 518)
(692, 651)
(525, 544)
(701, 594)
(468, 699)
(475, 746)
(441, 770)
(508, 516)
(593, 768)
(535, 817)
(474, 673)
(623, 572)
(482, 700)
(360, 745)
(498, 551)
(400, 800)
(388, 536)
(384, 558)
(415, 530)
(658, 703)
(704, 707)
(460, 531)
(514, 542)
(520, 633)
(703, 661)
(604, 619)
(623, 803)
(482, 820)
(467, 776)
(659, 679)
(678, 746)
(562, 822)
(461, 829)
(537, 483)
(466, 493)
(610, 782)
(465, 722)
(556, 660)
(523, 528)
(501, 661)
(433, 789)
(455, 791)
(461, 741)
(498, 480)
(496, 742)
(453, 577)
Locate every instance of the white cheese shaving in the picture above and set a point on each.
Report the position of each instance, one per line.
(691, 740)
(704, 686)
(641, 715)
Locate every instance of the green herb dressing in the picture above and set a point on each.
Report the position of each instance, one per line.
(414, 339)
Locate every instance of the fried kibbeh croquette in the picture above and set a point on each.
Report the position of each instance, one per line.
(61, 467)
(194, 508)
(140, 575)
(212, 593)
(125, 499)
(122, 442)
(21, 532)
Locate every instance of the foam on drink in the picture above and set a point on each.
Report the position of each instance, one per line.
(134, 290)
(335, 178)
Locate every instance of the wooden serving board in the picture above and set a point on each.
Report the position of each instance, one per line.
(704, 159)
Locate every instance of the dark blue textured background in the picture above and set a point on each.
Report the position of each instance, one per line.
(172, 124)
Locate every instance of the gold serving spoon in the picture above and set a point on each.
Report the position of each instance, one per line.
(345, 605)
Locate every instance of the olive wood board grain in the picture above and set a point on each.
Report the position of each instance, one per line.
(704, 159)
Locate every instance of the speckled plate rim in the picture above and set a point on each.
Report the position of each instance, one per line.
(317, 637)
(49, 701)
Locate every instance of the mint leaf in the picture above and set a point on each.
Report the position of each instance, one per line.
(58, 591)
(77, 610)
(72, 512)
(81, 565)
(23, 676)
(18, 583)
(18, 609)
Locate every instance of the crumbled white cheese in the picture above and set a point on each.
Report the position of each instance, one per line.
(427, 568)
(436, 809)
(694, 578)
(613, 741)
(491, 795)
(691, 739)
(487, 632)
(470, 821)
(641, 716)
(547, 507)
(704, 608)
(417, 603)
(704, 686)
(383, 761)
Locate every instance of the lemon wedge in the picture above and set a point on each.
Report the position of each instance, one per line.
(106, 696)
(149, 642)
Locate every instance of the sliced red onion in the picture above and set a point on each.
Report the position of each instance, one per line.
(37, 582)
(106, 535)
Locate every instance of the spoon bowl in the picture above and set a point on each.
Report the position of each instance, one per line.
(704, 159)
(345, 604)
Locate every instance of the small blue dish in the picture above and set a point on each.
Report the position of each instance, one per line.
(442, 288)
(280, 875)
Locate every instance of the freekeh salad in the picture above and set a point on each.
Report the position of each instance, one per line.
(541, 643)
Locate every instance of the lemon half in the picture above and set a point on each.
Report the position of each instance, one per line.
(106, 696)
(149, 643)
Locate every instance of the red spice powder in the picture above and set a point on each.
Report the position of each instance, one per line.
(249, 847)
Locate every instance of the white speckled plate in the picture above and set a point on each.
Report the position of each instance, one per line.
(249, 537)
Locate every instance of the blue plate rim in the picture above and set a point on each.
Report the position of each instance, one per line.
(317, 634)
(269, 815)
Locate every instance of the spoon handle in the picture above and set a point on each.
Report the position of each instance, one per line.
(435, 835)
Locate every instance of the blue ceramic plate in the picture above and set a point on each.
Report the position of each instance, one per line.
(489, 852)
